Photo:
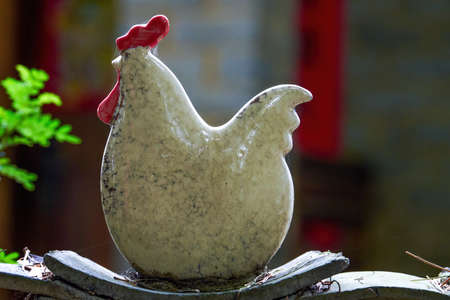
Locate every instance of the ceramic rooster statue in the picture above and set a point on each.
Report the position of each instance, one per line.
(184, 200)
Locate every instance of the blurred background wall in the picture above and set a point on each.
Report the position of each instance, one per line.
(398, 117)
(371, 159)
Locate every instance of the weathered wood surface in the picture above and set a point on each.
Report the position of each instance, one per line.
(376, 285)
(92, 280)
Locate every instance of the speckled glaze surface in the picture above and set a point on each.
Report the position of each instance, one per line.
(184, 200)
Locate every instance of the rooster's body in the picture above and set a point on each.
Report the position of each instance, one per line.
(184, 200)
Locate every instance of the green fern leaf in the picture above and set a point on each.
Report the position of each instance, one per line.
(16, 90)
(10, 258)
(33, 78)
(63, 135)
(48, 98)
(25, 124)
(14, 141)
(21, 176)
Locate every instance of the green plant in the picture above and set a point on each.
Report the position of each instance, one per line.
(10, 258)
(25, 124)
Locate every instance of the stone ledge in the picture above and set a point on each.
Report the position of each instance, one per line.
(76, 277)
(313, 275)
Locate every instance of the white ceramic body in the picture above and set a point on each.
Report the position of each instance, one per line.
(184, 200)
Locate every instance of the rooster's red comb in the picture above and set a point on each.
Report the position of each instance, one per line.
(145, 35)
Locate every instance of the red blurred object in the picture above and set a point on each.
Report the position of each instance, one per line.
(323, 235)
(50, 55)
(147, 35)
(61, 29)
(320, 70)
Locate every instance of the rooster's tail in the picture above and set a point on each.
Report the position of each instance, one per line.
(270, 116)
(274, 103)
